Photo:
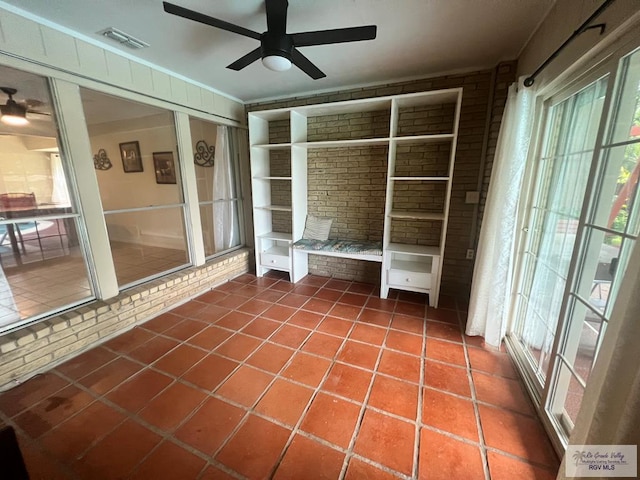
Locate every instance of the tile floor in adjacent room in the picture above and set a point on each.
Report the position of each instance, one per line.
(260, 378)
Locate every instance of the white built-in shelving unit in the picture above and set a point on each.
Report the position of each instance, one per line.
(405, 264)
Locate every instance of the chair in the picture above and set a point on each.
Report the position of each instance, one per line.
(603, 276)
(11, 204)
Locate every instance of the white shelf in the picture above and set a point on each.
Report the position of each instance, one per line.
(284, 237)
(420, 99)
(360, 142)
(272, 178)
(413, 249)
(427, 179)
(423, 266)
(278, 250)
(272, 146)
(417, 215)
(341, 108)
(277, 208)
(422, 139)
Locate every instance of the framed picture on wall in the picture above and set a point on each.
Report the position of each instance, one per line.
(165, 167)
(131, 158)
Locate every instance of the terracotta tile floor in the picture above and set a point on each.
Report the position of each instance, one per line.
(260, 378)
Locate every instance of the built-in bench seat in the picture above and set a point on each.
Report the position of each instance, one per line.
(354, 249)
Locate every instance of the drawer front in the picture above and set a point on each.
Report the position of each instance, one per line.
(409, 279)
(274, 261)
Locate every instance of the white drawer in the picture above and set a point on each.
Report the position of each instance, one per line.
(403, 278)
(274, 261)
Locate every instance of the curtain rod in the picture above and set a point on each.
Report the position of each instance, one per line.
(583, 28)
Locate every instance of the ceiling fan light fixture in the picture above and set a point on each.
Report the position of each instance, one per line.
(13, 114)
(277, 63)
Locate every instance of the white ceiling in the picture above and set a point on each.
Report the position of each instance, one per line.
(416, 38)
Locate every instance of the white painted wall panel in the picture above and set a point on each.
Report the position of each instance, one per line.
(194, 97)
(60, 48)
(142, 76)
(178, 90)
(161, 84)
(118, 69)
(23, 36)
(92, 61)
(208, 101)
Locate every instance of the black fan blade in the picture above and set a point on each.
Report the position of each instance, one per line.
(277, 16)
(248, 59)
(304, 64)
(339, 35)
(207, 20)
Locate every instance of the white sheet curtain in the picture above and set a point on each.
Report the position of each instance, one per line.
(60, 193)
(225, 230)
(492, 276)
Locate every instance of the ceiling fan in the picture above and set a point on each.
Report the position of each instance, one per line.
(14, 113)
(278, 49)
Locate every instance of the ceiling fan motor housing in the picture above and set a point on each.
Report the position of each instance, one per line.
(276, 44)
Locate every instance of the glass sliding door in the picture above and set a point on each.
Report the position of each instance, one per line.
(582, 224)
(609, 235)
(561, 177)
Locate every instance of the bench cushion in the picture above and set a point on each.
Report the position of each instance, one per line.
(354, 247)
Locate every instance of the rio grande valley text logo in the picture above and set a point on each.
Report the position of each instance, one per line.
(601, 461)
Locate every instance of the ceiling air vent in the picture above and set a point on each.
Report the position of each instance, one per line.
(123, 38)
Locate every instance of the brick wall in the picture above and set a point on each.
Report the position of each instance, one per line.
(348, 184)
(40, 347)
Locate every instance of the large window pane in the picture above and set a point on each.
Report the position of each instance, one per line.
(42, 266)
(216, 175)
(140, 185)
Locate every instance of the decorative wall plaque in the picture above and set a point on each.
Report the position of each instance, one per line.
(204, 155)
(101, 161)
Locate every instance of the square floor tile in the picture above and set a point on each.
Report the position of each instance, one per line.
(306, 458)
(368, 334)
(399, 365)
(189, 308)
(238, 347)
(359, 354)
(387, 441)
(335, 326)
(445, 457)
(214, 473)
(270, 357)
(353, 299)
(185, 330)
(162, 322)
(323, 345)
(261, 328)
(235, 320)
(516, 434)
(255, 448)
(210, 425)
(347, 381)
(179, 360)
(394, 396)
(290, 336)
(128, 341)
(411, 309)
(129, 443)
(404, 342)
(382, 304)
(451, 414)
(318, 305)
(172, 406)
(169, 461)
(444, 331)
(83, 364)
(348, 312)
(328, 294)
(211, 313)
(306, 369)
(331, 419)
(153, 349)
(407, 323)
(245, 385)
(284, 401)
(231, 301)
(210, 372)
(136, 392)
(359, 470)
(254, 306)
(69, 439)
(448, 352)
(210, 337)
(53, 410)
(305, 319)
(506, 468)
(496, 363)
(111, 375)
(279, 312)
(293, 300)
(502, 392)
(447, 377)
(443, 315)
